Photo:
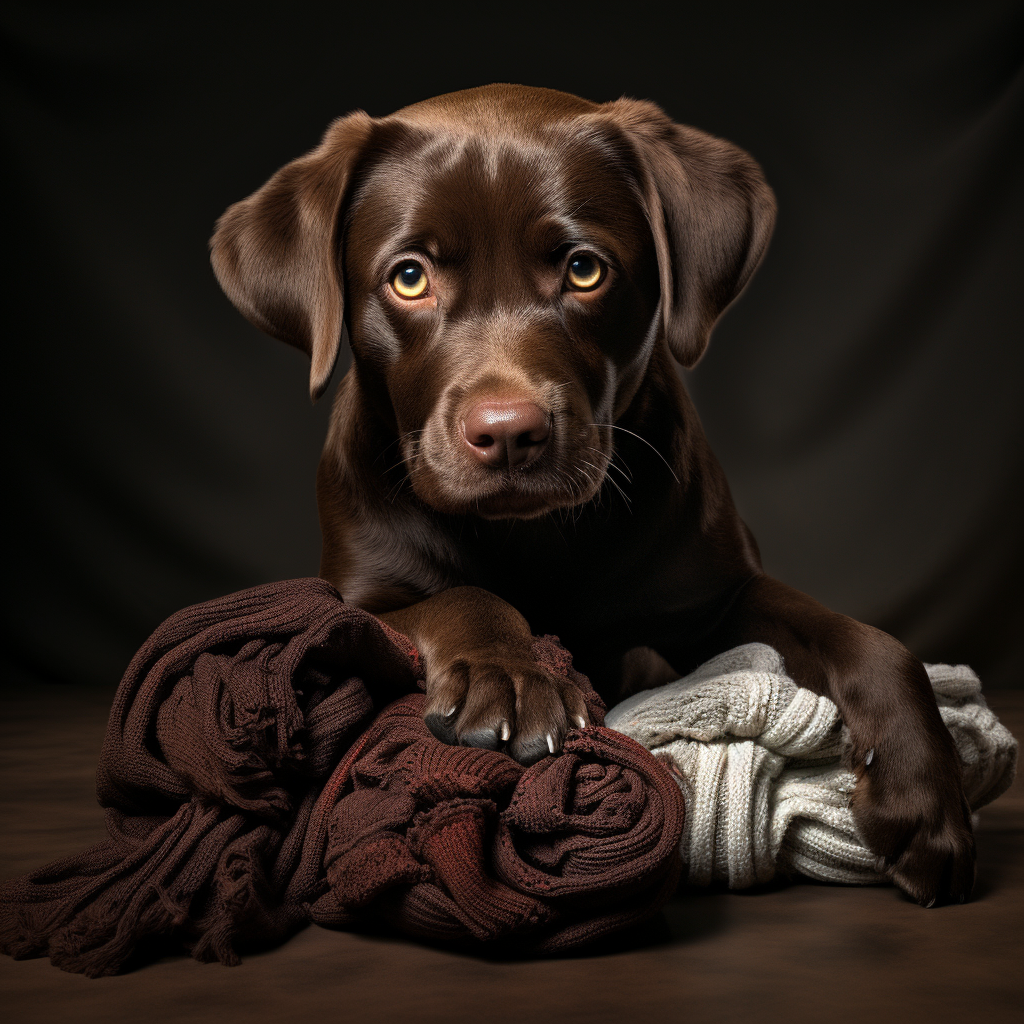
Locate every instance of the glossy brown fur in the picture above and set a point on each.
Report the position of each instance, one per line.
(621, 536)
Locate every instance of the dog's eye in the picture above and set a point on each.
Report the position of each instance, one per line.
(409, 280)
(585, 272)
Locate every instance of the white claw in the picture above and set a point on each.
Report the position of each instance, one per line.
(551, 743)
(869, 757)
(505, 732)
(451, 711)
(581, 721)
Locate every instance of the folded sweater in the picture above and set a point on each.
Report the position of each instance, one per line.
(760, 762)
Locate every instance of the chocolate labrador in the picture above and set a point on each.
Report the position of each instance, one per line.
(512, 450)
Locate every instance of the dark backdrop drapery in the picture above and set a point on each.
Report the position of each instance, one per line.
(864, 395)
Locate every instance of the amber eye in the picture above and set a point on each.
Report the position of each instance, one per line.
(585, 272)
(409, 280)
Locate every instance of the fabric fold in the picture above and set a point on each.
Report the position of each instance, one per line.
(449, 843)
(248, 790)
(224, 727)
(760, 761)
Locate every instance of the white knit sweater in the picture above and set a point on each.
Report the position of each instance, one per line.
(759, 760)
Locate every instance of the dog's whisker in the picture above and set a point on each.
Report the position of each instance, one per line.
(668, 466)
(621, 471)
(566, 479)
(386, 449)
(396, 488)
(625, 497)
(612, 464)
(613, 482)
(397, 440)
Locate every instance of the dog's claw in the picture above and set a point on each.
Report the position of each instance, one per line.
(500, 702)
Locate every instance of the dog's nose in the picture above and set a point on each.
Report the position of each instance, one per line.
(508, 434)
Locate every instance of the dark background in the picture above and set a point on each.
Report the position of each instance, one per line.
(864, 396)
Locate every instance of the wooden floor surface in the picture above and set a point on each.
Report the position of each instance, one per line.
(795, 953)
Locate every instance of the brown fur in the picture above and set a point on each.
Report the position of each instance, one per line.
(619, 533)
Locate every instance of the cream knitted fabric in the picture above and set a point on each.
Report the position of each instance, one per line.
(759, 760)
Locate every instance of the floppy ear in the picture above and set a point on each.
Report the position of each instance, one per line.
(711, 214)
(277, 253)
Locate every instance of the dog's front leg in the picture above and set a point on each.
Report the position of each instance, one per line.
(484, 688)
(909, 803)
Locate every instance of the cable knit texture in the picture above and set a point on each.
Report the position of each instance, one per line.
(244, 797)
(760, 761)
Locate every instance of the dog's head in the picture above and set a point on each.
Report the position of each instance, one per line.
(506, 260)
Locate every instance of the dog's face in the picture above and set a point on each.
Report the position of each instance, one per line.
(502, 285)
(508, 259)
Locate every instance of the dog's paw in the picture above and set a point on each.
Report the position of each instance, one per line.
(502, 703)
(922, 831)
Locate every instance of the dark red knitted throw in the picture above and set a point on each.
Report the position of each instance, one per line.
(247, 793)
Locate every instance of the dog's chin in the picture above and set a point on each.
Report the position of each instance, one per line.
(511, 504)
(512, 496)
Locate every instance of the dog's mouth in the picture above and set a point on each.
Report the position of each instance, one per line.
(518, 496)
(565, 475)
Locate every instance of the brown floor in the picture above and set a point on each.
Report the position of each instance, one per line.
(797, 953)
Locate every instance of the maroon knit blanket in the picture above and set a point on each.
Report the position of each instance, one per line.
(249, 790)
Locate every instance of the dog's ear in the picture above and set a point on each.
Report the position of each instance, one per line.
(277, 253)
(711, 213)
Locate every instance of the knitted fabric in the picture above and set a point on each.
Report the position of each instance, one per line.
(236, 760)
(461, 843)
(760, 761)
(223, 730)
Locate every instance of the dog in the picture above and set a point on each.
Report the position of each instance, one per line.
(512, 450)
